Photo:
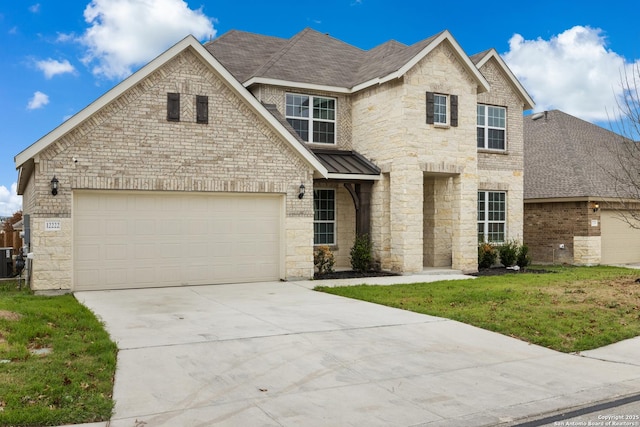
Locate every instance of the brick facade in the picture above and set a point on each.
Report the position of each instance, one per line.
(548, 226)
(130, 145)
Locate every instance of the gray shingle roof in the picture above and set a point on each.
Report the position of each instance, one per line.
(566, 157)
(309, 57)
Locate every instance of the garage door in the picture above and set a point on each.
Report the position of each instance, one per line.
(136, 240)
(620, 242)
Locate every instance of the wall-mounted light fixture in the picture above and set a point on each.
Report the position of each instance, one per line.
(595, 206)
(301, 190)
(54, 185)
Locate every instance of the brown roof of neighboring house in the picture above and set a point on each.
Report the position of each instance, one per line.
(566, 157)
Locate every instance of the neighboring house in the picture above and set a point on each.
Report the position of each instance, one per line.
(574, 193)
(229, 162)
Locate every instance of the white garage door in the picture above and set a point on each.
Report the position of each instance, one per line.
(152, 239)
(620, 242)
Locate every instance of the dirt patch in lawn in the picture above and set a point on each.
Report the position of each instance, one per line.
(9, 315)
(500, 271)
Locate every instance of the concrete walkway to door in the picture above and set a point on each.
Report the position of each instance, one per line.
(280, 354)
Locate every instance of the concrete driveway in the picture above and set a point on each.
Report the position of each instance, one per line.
(280, 354)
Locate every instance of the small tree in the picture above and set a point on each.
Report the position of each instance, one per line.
(523, 259)
(487, 255)
(323, 259)
(508, 253)
(361, 253)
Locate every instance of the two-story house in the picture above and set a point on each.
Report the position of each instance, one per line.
(230, 161)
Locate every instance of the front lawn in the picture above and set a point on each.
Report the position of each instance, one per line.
(57, 363)
(567, 309)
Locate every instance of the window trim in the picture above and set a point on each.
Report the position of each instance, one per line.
(451, 107)
(334, 221)
(311, 120)
(486, 128)
(486, 221)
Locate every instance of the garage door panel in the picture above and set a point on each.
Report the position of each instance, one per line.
(128, 240)
(620, 243)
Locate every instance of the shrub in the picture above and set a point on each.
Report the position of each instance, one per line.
(487, 255)
(523, 259)
(508, 253)
(361, 253)
(323, 259)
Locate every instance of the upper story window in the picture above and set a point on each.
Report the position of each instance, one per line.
(492, 125)
(442, 109)
(312, 117)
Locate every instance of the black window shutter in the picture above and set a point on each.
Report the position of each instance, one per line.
(173, 107)
(202, 109)
(430, 107)
(453, 100)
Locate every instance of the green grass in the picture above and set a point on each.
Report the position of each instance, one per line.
(570, 309)
(71, 384)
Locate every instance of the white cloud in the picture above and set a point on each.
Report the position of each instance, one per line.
(52, 67)
(573, 72)
(10, 202)
(39, 100)
(34, 8)
(126, 33)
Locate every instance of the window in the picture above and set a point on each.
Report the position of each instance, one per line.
(173, 107)
(442, 109)
(202, 109)
(492, 124)
(312, 117)
(492, 216)
(324, 217)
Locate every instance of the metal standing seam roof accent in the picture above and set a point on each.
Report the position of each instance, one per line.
(345, 162)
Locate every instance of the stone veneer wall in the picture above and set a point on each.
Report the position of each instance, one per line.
(389, 127)
(129, 145)
(549, 225)
(504, 171)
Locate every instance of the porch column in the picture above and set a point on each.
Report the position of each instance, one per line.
(361, 195)
(407, 224)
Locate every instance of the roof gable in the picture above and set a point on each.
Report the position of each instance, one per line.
(482, 58)
(317, 61)
(189, 42)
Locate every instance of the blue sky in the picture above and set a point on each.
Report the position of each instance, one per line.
(57, 57)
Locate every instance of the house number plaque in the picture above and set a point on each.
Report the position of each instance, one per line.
(50, 225)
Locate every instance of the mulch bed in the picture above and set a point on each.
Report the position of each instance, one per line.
(350, 274)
